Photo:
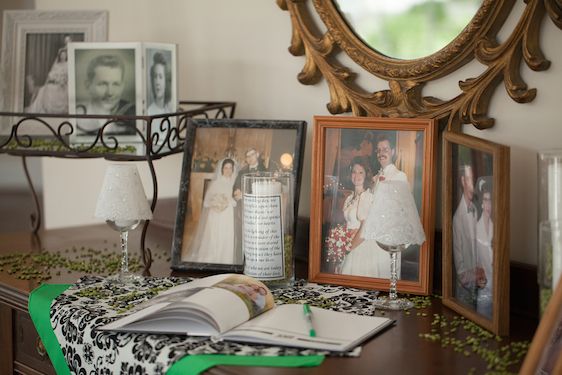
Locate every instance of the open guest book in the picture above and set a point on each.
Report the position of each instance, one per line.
(239, 308)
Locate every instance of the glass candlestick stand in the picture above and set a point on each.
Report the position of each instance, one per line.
(123, 205)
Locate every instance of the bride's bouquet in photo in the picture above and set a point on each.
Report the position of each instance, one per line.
(219, 202)
(338, 243)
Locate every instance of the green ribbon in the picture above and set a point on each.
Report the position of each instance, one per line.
(39, 305)
(196, 364)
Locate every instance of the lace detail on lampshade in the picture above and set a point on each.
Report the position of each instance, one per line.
(393, 218)
(122, 195)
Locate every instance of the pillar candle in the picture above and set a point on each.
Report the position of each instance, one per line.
(266, 187)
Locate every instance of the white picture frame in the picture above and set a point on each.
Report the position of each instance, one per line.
(20, 27)
(91, 94)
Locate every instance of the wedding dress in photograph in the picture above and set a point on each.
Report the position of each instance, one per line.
(214, 238)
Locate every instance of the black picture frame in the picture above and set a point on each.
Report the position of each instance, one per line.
(207, 142)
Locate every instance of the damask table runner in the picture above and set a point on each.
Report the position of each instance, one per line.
(95, 301)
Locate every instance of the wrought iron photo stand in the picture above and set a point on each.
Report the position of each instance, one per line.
(161, 135)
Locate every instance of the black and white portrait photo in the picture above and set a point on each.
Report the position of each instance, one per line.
(104, 81)
(160, 93)
(160, 79)
(35, 58)
(46, 72)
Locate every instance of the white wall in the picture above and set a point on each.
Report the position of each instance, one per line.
(237, 50)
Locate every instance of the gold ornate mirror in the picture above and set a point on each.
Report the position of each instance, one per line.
(407, 29)
(407, 77)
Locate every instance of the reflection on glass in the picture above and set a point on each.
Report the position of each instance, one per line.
(408, 29)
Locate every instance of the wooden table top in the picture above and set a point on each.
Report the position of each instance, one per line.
(398, 350)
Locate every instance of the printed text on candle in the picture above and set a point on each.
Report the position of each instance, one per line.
(263, 237)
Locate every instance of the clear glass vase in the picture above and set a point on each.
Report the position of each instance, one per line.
(549, 261)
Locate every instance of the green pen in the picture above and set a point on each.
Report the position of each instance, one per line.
(308, 316)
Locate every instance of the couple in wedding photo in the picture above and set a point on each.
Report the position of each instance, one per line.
(222, 213)
(365, 257)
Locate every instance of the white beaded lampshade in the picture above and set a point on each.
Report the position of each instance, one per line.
(394, 219)
(122, 196)
(394, 223)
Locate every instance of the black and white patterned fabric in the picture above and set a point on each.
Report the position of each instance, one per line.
(95, 301)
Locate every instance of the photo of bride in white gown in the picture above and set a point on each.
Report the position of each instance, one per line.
(52, 97)
(368, 259)
(361, 260)
(214, 238)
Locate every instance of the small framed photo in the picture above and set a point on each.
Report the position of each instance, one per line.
(544, 356)
(160, 74)
(476, 230)
(217, 153)
(351, 157)
(160, 92)
(34, 58)
(106, 79)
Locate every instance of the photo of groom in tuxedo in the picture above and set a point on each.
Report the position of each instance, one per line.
(470, 276)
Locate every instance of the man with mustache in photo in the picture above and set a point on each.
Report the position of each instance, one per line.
(386, 153)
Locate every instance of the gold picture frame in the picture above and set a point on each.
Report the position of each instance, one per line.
(337, 141)
(476, 230)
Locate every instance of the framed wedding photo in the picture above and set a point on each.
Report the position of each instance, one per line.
(544, 356)
(351, 157)
(34, 57)
(476, 230)
(217, 154)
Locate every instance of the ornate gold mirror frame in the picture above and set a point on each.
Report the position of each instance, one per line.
(406, 78)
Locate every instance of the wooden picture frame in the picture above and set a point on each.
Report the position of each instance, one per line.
(476, 211)
(272, 145)
(31, 44)
(337, 142)
(544, 356)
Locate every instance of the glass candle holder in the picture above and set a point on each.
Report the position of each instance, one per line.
(268, 228)
(550, 254)
(394, 223)
(549, 262)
